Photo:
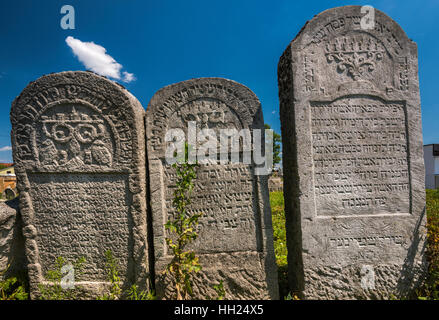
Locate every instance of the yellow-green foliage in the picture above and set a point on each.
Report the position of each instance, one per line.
(433, 228)
(11, 288)
(431, 289)
(116, 292)
(278, 216)
(280, 239)
(54, 290)
(183, 230)
(111, 266)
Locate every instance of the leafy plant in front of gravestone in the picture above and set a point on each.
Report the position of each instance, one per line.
(135, 294)
(291, 296)
(220, 291)
(115, 292)
(11, 288)
(113, 276)
(182, 230)
(430, 288)
(53, 290)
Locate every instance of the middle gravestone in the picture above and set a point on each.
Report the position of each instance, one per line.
(235, 242)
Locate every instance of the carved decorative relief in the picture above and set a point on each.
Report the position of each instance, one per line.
(208, 113)
(74, 137)
(355, 56)
(403, 69)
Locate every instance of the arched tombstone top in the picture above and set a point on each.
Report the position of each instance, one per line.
(215, 102)
(353, 58)
(341, 20)
(62, 115)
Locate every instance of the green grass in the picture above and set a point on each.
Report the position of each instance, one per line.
(431, 288)
(278, 216)
(280, 239)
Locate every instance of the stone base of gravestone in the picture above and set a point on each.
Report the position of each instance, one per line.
(242, 278)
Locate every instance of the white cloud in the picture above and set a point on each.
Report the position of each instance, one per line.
(95, 58)
(7, 148)
(128, 77)
(273, 112)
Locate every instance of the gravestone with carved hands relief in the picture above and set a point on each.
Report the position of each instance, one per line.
(78, 149)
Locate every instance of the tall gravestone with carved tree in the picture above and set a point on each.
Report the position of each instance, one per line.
(352, 155)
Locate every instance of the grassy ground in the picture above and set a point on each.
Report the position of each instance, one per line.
(280, 243)
(429, 291)
(431, 288)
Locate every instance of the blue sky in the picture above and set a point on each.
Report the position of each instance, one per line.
(162, 42)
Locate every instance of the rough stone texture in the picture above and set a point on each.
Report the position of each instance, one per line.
(353, 159)
(12, 259)
(79, 153)
(275, 183)
(235, 242)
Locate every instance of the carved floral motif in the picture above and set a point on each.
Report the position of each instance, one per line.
(357, 56)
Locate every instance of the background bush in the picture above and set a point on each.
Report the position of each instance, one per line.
(280, 240)
(430, 291)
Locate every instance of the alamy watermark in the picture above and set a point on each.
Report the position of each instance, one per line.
(68, 20)
(367, 21)
(223, 146)
(367, 277)
(68, 280)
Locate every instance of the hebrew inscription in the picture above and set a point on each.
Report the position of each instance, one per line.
(356, 144)
(78, 215)
(226, 197)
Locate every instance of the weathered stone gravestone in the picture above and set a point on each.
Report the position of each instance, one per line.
(235, 242)
(78, 148)
(352, 147)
